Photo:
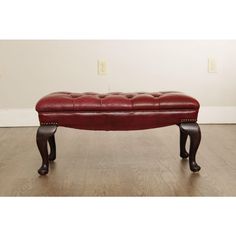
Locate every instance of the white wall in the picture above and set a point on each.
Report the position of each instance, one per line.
(31, 69)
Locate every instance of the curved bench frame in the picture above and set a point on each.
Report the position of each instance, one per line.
(45, 134)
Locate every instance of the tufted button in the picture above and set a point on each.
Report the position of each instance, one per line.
(129, 95)
(156, 95)
(75, 95)
(102, 96)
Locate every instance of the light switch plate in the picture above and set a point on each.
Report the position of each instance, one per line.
(212, 65)
(102, 67)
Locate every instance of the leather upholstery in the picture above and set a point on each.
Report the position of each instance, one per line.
(117, 111)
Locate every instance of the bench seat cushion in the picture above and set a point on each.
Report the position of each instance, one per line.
(117, 111)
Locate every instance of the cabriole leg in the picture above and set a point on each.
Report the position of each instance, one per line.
(183, 140)
(52, 144)
(44, 135)
(194, 132)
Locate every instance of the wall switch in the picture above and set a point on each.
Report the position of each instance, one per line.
(211, 65)
(102, 67)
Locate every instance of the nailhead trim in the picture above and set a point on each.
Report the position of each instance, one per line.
(188, 120)
(50, 123)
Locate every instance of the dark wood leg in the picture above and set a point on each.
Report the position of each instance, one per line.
(183, 139)
(52, 144)
(194, 132)
(44, 134)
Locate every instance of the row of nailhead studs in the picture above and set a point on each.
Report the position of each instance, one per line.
(183, 120)
(188, 120)
(49, 124)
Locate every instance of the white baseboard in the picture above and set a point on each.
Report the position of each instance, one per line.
(29, 117)
(217, 115)
(18, 117)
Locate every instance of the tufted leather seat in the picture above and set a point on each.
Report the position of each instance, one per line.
(117, 111)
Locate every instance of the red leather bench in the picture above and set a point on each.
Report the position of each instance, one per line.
(117, 111)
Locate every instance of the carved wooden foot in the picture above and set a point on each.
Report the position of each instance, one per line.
(45, 134)
(194, 132)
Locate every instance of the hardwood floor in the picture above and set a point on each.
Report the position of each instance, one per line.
(134, 163)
